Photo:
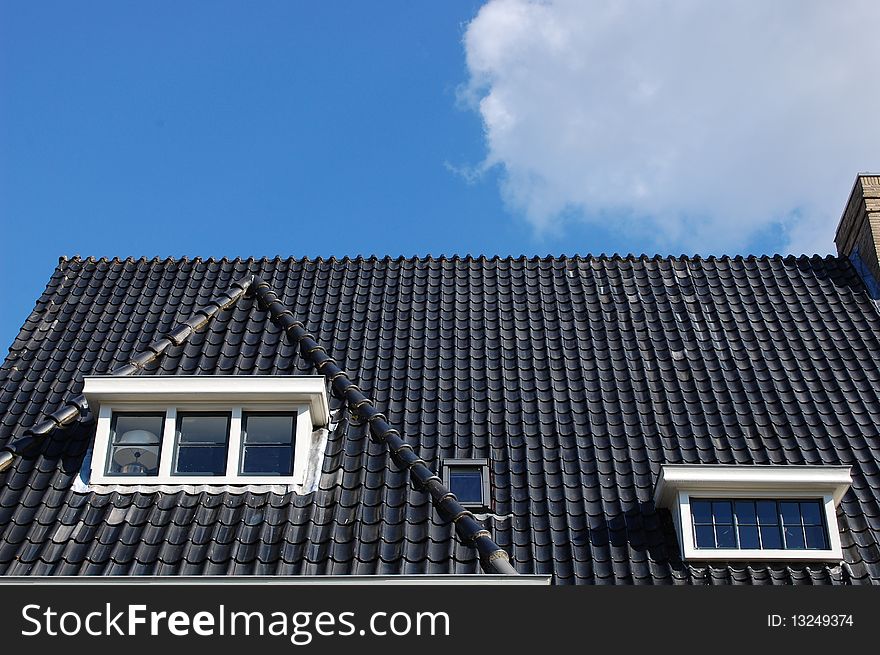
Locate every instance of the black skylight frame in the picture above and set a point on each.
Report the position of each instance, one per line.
(449, 467)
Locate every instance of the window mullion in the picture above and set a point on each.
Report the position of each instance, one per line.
(759, 528)
(781, 521)
(168, 436)
(303, 440)
(736, 539)
(233, 452)
(803, 525)
(714, 526)
(101, 452)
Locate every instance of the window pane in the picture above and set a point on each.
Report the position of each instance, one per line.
(701, 510)
(199, 429)
(816, 537)
(263, 428)
(466, 482)
(206, 460)
(267, 460)
(748, 537)
(135, 444)
(724, 536)
(794, 537)
(770, 536)
(722, 511)
(202, 441)
(705, 536)
(811, 512)
(745, 512)
(767, 512)
(791, 513)
(125, 423)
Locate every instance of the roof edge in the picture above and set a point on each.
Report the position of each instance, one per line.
(467, 258)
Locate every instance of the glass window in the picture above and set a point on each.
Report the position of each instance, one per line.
(770, 537)
(135, 443)
(767, 514)
(202, 441)
(466, 482)
(748, 536)
(702, 512)
(722, 512)
(725, 537)
(759, 524)
(811, 512)
(745, 512)
(791, 513)
(267, 444)
(816, 537)
(705, 536)
(794, 537)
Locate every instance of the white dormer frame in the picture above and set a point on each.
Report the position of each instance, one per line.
(305, 396)
(678, 484)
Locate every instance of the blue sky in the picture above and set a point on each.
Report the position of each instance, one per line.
(305, 129)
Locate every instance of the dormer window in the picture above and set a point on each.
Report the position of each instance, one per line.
(206, 430)
(755, 512)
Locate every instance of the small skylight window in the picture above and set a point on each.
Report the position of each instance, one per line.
(468, 479)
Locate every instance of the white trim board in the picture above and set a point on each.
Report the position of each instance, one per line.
(719, 477)
(229, 389)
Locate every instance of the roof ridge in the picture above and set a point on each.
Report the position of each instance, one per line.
(454, 258)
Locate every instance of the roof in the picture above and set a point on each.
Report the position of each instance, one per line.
(577, 377)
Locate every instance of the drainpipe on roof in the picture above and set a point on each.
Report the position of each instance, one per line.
(492, 557)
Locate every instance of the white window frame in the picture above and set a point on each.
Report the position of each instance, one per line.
(304, 396)
(678, 484)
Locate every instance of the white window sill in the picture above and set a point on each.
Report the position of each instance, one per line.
(190, 480)
(778, 555)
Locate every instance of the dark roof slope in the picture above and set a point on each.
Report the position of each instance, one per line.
(577, 377)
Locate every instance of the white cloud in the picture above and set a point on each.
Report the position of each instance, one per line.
(704, 122)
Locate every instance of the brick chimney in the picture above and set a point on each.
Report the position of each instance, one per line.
(858, 235)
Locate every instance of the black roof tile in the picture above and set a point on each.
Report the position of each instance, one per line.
(577, 377)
